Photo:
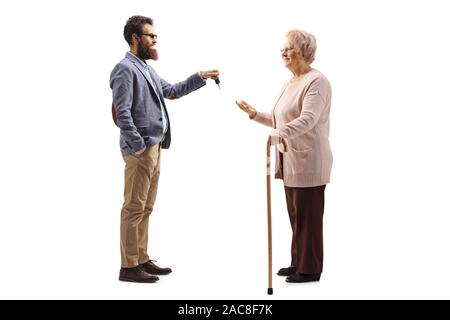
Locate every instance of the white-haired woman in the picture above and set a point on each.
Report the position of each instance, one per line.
(300, 116)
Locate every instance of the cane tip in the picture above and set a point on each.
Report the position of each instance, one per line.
(270, 291)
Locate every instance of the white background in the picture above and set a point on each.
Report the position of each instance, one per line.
(386, 223)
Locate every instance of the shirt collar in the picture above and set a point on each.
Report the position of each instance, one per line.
(142, 63)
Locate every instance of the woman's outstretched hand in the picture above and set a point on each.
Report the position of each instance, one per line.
(246, 108)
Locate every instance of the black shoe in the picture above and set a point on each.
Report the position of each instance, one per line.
(152, 268)
(303, 277)
(136, 274)
(286, 271)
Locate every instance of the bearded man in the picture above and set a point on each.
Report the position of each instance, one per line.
(141, 114)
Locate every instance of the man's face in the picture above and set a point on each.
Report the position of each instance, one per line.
(146, 42)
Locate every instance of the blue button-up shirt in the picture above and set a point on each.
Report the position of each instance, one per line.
(146, 68)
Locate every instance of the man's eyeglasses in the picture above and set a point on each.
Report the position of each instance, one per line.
(151, 35)
(282, 50)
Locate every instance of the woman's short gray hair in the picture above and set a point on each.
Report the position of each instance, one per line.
(304, 43)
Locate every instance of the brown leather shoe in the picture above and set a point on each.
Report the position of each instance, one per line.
(136, 274)
(284, 272)
(152, 268)
(303, 277)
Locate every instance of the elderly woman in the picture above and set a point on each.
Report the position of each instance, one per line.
(300, 116)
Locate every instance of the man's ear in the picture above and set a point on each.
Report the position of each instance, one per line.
(134, 38)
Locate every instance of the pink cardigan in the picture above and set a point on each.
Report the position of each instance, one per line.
(301, 117)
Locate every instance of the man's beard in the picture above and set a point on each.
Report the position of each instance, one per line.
(145, 52)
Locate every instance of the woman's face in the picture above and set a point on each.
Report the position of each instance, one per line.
(291, 58)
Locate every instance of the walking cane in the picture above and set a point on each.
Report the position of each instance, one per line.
(269, 211)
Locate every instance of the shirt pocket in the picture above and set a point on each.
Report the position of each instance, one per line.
(299, 161)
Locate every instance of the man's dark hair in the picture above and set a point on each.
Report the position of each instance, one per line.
(134, 25)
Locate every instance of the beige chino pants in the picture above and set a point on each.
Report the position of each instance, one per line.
(141, 185)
